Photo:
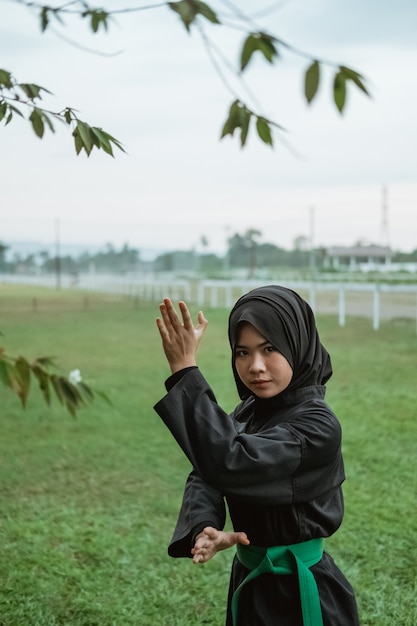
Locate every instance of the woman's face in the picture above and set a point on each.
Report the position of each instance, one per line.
(264, 370)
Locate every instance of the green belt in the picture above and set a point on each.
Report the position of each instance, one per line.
(285, 560)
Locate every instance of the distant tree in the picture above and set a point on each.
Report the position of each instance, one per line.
(242, 250)
(3, 250)
(237, 253)
(269, 255)
(251, 239)
(204, 242)
(405, 257)
(210, 263)
(301, 242)
(66, 264)
(298, 258)
(43, 257)
(177, 260)
(24, 99)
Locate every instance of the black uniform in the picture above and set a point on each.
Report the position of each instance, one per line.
(276, 462)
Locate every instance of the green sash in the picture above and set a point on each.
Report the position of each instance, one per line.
(285, 560)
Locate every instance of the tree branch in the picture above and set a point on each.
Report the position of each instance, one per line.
(191, 12)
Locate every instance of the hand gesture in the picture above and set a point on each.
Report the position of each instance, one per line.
(180, 340)
(211, 541)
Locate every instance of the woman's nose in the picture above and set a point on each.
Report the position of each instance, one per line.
(257, 363)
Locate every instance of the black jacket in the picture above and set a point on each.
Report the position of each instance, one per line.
(279, 467)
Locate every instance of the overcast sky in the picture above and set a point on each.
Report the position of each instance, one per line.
(155, 89)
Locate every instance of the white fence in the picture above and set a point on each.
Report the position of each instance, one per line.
(374, 300)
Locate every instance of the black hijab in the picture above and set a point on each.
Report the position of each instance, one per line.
(287, 322)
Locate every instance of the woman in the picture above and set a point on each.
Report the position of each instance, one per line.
(276, 461)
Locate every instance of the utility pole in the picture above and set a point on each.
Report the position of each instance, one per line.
(311, 237)
(57, 256)
(384, 235)
(312, 260)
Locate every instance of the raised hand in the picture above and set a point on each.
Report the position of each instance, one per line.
(180, 340)
(210, 541)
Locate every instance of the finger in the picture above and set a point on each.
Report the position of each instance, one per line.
(211, 532)
(161, 327)
(168, 314)
(169, 306)
(201, 544)
(243, 538)
(186, 317)
(198, 559)
(202, 322)
(164, 314)
(201, 319)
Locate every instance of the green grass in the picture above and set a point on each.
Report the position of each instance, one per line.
(87, 506)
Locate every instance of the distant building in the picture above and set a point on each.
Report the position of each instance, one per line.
(358, 257)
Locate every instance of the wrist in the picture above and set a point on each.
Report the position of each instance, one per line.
(182, 365)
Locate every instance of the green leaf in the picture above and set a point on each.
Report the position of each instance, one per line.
(187, 10)
(37, 122)
(46, 361)
(43, 379)
(105, 140)
(8, 373)
(86, 392)
(267, 47)
(354, 77)
(78, 141)
(239, 117)
(56, 384)
(3, 373)
(66, 394)
(6, 79)
(23, 371)
(98, 18)
(48, 122)
(113, 140)
(44, 18)
(249, 47)
(70, 392)
(245, 116)
(101, 140)
(207, 12)
(84, 131)
(30, 90)
(257, 42)
(264, 130)
(15, 110)
(339, 91)
(3, 109)
(233, 121)
(95, 22)
(312, 80)
(68, 116)
(71, 395)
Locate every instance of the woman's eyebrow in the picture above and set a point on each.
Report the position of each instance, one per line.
(239, 346)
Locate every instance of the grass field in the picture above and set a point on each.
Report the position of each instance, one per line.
(88, 505)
